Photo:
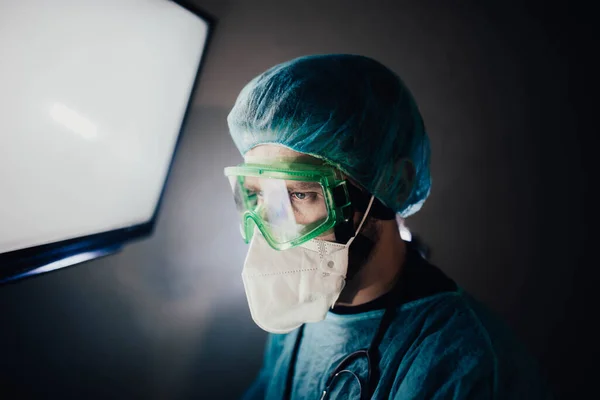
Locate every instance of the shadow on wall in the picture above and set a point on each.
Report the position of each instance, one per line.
(206, 341)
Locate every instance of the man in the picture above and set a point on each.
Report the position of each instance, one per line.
(335, 150)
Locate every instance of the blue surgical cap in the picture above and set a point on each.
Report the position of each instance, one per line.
(349, 110)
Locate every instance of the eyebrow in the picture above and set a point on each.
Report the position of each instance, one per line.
(299, 185)
(291, 185)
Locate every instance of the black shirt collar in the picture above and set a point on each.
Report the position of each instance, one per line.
(421, 278)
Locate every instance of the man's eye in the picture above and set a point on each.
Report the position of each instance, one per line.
(301, 196)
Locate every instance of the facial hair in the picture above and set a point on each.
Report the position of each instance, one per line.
(359, 254)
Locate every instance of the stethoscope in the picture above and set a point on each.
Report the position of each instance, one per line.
(368, 388)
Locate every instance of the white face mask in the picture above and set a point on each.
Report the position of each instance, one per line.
(288, 288)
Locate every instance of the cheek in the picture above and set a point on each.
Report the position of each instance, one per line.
(328, 236)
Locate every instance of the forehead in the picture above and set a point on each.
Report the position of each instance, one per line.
(271, 153)
(256, 183)
(266, 153)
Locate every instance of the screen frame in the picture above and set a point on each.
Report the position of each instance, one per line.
(18, 264)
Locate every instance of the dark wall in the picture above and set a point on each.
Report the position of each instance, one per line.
(497, 86)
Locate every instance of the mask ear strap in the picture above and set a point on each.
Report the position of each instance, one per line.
(344, 232)
(360, 200)
(364, 218)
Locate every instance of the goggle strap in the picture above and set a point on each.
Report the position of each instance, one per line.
(341, 195)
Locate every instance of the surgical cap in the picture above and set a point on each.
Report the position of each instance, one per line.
(349, 110)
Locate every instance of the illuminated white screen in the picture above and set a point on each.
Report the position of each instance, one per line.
(92, 96)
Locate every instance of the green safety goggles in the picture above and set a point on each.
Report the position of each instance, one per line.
(289, 203)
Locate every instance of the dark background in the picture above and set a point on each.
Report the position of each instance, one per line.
(506, 92)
